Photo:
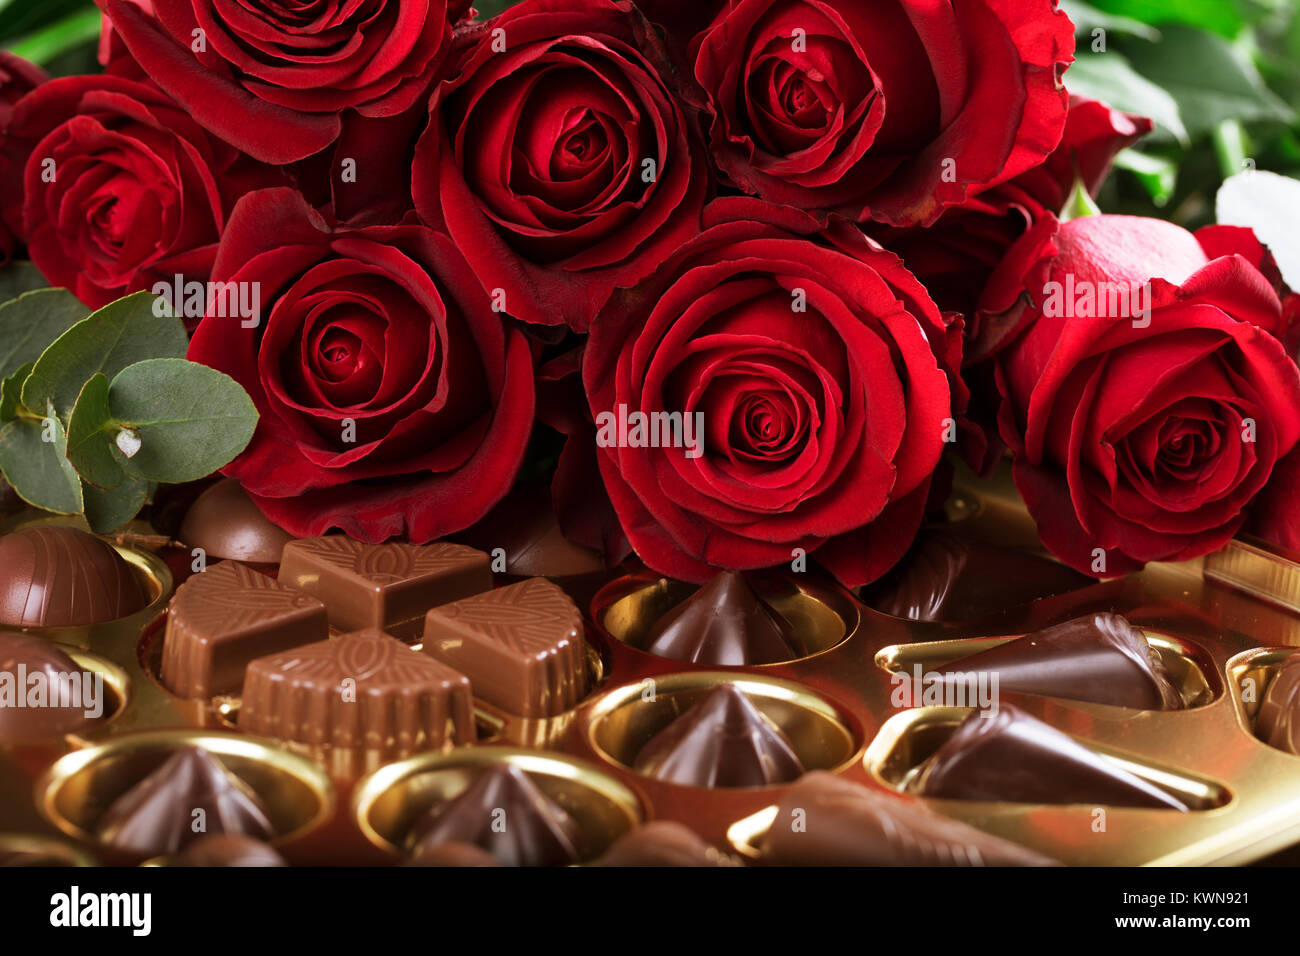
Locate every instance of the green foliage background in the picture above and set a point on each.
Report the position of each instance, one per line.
(1221, 78)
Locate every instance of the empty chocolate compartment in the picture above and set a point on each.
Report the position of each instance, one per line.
(389, 804)
(1266, 686)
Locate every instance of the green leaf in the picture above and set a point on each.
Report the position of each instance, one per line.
(120, 334)
(1158, 175)
(29, 323)
(11, 390)
(1110, 77)
(91, 433)
(20, 17)
(1221, 16)
(106, 511)
(19, 277)
(1270, 205)
(1210, 80)
(55, 39)
(191, 419)
(1086, 17)
(38, 469)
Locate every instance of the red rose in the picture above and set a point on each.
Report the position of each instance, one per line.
(1275, 516)
(1145, 391)
(820, 372)
(120, 187)
(17, 79)
(273, 79)
(394, 401)
(558, 159)
(891, 110)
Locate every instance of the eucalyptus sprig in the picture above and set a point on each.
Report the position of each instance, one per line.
(98, 409)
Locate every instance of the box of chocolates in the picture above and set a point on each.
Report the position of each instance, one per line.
(326, 702)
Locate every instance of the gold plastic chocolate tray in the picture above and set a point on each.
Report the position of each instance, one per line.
(1221, 625)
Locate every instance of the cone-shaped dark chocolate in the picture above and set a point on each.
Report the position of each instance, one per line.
(505, 813)
(1013, 757)
(25, 717)
(1100, 658)
(948, 577)
(1278, 720)
(663, 843)
(158, 815)
(227, 849)
(723, 624)
(723, 741)
(824, 820)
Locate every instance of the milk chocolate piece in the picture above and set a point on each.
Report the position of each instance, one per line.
(225, 523)
(1278, 721)
(524, 526)
(399, 701)
(505, 813)
(521, 646)
(1100, 658)
(723, 741)
(62, 681)
(227, 849)
(663, 843)
(452, 854)
(1015, 758)
(723, 624)
(225, 617)
(55, 576)
(157, 815)
(826, 821)
(381, 585)
(948, 577)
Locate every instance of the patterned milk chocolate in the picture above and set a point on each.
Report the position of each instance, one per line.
(1278, 720)
(824, 820)
(380, 585)
(227, 616)
(362, 690)
(521, 646)
(54, 576)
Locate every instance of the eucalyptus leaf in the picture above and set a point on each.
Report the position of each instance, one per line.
(191, 419)
(30, 322)
(19, 277)
(11, 393)
(120, 334)
(1110, 77)
(91, 431)
(38, 469)
(108, 510)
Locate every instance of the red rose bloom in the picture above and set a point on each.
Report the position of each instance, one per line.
(17, 79)
(890, 110)
(120, 187)
(273, 79)
(821, 373)
(558, 159)
(394, 401)
(1141, 434)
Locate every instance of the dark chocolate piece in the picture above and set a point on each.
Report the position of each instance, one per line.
(1015, 758)
(1100, 658)
(227, 849)
(381, 585)
(1278, 721)
(225, 523)
(55, 576)
(362, 690)
(723, 741)
(66, 691)
(523, 525)
(723, 624)
(948, 577)
(826, 821)
(521, 646)
(505, 813)
(663, 843)
(225, 617)
(452, 854)
(160, 814)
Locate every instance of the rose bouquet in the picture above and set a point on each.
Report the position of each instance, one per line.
(742, 279)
